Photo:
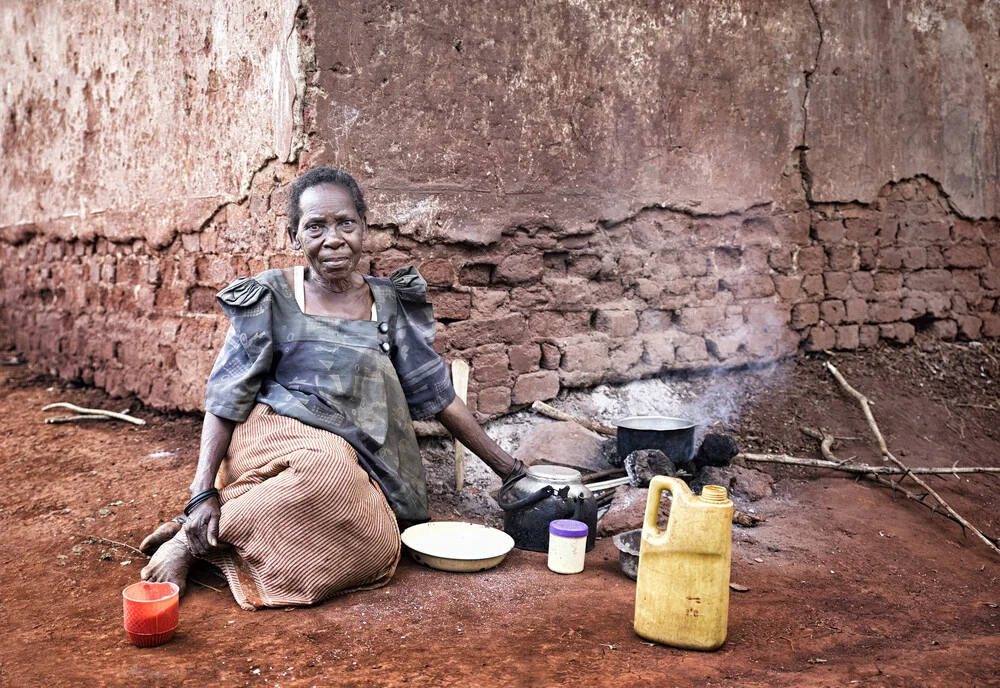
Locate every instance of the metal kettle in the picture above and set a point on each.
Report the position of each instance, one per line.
(540, 495)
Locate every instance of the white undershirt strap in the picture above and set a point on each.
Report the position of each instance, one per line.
(299, 287)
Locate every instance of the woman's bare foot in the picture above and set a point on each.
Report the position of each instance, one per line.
(170, 564)
(159, 536)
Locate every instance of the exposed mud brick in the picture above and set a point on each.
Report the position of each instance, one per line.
(202, 300)
(935, 257)
(898, 332)
(832, 312)
(945, 328)
(969, 326)
(476, 275)
(848, 337)
(450, 305)
(696, 320)
(587, 356)
(617, 323)
(830, 231)
(912, 307)
(965, 282)
(491, 370)
(966, 256)
(929, 280)
(648, 290)
(551, 356)
(691, 350)
(888, 281)
(867, 258)
(659, 349)
(519, 268)
(538, 386)
(991, 325)
(914, 258)
(493, 400)
(788, 287)
(804, 315)
(191, 242)
(584, 266)
(524, 358)
(884, 311)
(439, 272)
(489, 303)
(812, 259)
(469, 333)
(868, 336)
(749, 286)
(780, 259)
(729, 258)
(856, 310)
(990, 279)
(861, 230)
(965, 231)
(890, 258)
(695, 264)
(938, 305)
(553, 325)
(821, 337)
(836, 284)
(924, 232)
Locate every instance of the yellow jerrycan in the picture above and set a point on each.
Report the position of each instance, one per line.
(682, 591)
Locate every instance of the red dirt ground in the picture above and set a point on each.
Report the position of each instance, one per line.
(846, 587)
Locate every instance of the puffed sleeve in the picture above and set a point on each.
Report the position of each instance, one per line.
(246, 356)
(423, 374)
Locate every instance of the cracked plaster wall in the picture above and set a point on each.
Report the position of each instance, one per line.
(594, 191)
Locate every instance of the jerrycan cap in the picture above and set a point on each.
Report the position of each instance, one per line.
(715, 494)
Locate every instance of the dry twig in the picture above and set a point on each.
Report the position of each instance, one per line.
(844, 466)
(115, 543)
(551, 412)
(95, 412)
(866, 408)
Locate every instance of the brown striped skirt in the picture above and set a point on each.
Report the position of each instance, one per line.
(304, 519)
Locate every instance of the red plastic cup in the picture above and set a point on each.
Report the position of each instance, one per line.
(151, 612)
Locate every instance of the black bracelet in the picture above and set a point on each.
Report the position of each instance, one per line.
(199, 498)
(516, 470)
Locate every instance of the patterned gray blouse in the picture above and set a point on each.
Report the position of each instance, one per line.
(360, 379)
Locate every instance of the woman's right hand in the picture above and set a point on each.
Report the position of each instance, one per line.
(202, 527)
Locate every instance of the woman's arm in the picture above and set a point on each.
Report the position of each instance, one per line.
(460, 422)
(202, 527)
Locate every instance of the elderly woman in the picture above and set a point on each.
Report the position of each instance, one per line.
(308, 459)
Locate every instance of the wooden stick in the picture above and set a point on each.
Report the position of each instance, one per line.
(114, 543)
(460, 381)
(95, 412)
(551, 412)
(839, 465)
(72, 419)
(601, 475)
(866, 408)
(860, 468)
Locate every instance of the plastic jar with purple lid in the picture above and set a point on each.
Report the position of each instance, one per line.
(567, 545)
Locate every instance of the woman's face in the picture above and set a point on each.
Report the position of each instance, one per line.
(330, 232)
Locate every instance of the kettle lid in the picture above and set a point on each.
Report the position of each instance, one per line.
(554, 474)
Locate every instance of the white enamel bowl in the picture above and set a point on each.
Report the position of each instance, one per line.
(457, 546)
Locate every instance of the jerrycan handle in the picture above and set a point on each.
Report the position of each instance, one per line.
(678, 489)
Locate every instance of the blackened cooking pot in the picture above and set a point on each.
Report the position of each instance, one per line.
(532, 500)
(672, 436)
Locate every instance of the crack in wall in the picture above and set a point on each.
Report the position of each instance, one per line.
(803, 148)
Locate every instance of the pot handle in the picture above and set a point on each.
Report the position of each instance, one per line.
(524, 502)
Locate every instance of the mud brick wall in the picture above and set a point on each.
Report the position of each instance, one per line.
(594, 192)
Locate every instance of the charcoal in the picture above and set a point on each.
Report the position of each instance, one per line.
(642, 465)
(716, 450)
